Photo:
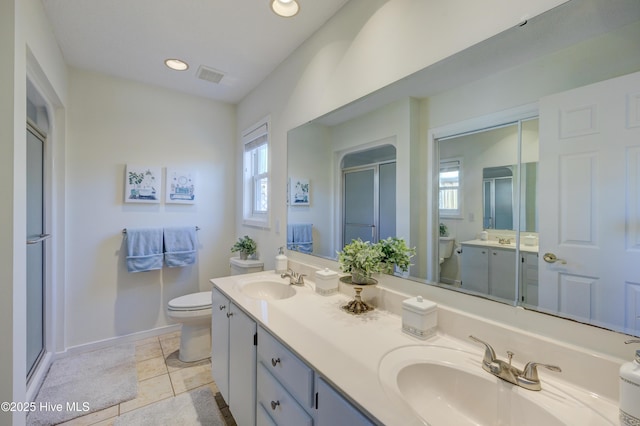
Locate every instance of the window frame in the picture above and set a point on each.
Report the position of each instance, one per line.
(255, 138)
(450, 163)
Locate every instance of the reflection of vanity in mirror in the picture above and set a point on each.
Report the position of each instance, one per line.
(527, 120)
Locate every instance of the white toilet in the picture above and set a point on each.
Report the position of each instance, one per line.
(445, 250)
(194, 312)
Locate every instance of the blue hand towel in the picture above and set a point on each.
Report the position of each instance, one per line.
(300, 237)
(144, 249)
(180, 246)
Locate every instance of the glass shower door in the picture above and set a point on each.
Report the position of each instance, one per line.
(36, 247)
(359, 206)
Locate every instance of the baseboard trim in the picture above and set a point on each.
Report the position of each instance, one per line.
(33, 387)
(101, 344)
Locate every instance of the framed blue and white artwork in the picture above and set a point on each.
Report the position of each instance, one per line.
(142, 184)
(299, 192)
(181, 186)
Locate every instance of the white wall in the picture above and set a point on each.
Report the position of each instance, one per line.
(311, 159)
(114, 122)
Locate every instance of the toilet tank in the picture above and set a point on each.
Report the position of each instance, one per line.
(446, 247)
(239, 266)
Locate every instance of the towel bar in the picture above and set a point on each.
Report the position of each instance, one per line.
(124, 230)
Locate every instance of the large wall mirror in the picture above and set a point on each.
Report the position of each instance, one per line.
(512, 167)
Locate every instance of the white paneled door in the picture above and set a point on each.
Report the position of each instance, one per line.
(590, 203)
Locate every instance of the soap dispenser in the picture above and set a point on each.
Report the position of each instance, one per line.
(630, 390)
(281, 261)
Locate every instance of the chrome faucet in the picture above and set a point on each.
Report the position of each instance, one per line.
(294, 277)
(526, 378)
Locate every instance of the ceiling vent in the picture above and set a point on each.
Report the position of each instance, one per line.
(209, 74)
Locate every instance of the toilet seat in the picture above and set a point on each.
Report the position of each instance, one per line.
(191, 302)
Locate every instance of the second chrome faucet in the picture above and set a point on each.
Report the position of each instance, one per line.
(526, 378)
(295, 278)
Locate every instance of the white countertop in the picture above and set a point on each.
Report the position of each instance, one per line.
(345, 349)
(496, 244)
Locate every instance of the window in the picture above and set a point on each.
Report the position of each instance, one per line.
(450, 198)
(256, 175)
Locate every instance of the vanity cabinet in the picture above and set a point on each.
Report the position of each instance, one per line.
(491, 270)
(233, 357)
(333, 409)
(264, 382)
(475, 268)
(502, 272)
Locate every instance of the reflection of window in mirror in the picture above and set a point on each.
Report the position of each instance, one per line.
(450, 198)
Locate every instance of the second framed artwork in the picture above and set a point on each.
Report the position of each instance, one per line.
(181, 186)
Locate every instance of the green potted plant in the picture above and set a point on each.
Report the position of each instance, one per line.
(395, 252)
(444, 231)
(361, 258)
(246, 246)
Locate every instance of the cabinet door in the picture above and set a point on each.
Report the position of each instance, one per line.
(530, 278)
(502, 273)
(220, 341)
(475, 268)
(242, 367)
(333, 409)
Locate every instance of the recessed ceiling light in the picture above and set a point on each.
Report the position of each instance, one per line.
(176, 64)
(285, 8)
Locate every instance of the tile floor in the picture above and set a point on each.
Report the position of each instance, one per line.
(161, 375)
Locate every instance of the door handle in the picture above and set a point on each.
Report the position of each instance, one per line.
(552, 258)
(42, 237)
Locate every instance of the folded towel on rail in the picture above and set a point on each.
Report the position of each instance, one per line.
(300, 237)
(144, 249)
(180, 246)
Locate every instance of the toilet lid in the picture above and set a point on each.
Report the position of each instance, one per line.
(191, 302)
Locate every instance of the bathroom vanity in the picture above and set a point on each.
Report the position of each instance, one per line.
(305, 361)
(488, 266)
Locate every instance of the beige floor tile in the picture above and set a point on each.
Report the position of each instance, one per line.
(169, 335)
(213, 387)
(148, 350)
(174, 363)
(189, 378)
(151, 367)
(146, 341)
(170, 344)
(93, 418)
(150, 390)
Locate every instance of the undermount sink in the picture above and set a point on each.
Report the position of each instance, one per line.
(445, 386)
(267, 290)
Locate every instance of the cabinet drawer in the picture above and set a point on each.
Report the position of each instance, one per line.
(294, 374)
(281, 406)
(263, 418)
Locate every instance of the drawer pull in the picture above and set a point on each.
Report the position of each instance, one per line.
(229, 314)
(275, 362)
(222, 307)
(274, 404)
